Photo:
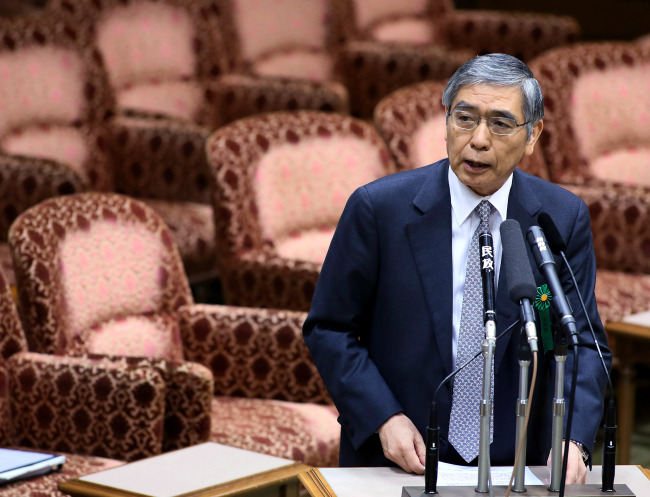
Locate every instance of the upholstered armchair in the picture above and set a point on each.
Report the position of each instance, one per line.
(282, 180)
(99, 276)
(53, 129)
(412, 121)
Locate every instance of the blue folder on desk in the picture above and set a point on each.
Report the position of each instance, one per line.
(19, 464)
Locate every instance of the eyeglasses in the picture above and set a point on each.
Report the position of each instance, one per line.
(502, 126)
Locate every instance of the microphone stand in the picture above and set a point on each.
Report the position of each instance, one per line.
(558, 411)
(486, 408)
(522, 403)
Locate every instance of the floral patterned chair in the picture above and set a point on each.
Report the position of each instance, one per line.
(165, 64)
(412, 122)
(53, 124)
(422, 40)
(99, 275)
(282, 180)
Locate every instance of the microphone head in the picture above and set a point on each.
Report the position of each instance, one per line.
(521, 283)
(553, 237)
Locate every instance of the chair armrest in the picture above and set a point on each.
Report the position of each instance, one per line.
(86, 406)
(371, 70)
(160, 158)
(257, 279)
(253, 352)
(522, 34)
(188, 397)
(26, 181)
(234, 96)
(620, 216)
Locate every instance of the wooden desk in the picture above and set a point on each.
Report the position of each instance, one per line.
(631, 347)
(204, 470)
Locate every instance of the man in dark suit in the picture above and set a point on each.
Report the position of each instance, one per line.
(384, 324)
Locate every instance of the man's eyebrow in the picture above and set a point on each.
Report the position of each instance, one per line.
(493, 113)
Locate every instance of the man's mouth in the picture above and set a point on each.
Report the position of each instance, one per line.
(476, 164)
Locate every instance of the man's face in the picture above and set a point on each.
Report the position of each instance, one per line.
(482, 160)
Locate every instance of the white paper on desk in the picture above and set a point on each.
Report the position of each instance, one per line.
(388, 482)
(642, 318)
(451, 475)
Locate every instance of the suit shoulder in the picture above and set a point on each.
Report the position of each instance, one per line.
(405, 181)
(547, 191)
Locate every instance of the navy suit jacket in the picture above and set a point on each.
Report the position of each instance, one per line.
(380, 324)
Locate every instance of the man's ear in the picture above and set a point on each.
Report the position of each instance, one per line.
(446, 122)
(537, 130)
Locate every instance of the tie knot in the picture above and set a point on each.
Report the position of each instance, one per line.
(483, 210)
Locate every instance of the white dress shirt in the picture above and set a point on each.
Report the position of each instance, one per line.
(464, 222)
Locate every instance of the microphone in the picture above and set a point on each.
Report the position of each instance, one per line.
(546, 265)
(521, 283)
(487, 278)
(609, 448)
(553, 237)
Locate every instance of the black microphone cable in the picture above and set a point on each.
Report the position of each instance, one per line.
(557, 245)
(433, 430)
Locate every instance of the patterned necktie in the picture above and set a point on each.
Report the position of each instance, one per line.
(464, 424)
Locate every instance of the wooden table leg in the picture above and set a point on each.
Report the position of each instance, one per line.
(626, 400)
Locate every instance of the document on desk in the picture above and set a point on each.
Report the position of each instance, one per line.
(388, 482)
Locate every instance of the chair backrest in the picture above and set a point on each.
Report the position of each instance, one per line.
(410, 21)
(157, 52)
(290, 38)
(98, 273)
(412, 121)
(282, 180)
(54, 102)
(597, 112)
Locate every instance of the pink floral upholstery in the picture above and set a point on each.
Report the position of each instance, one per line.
(282, 181)
(412, 122)
(596, 108)
(107, 287)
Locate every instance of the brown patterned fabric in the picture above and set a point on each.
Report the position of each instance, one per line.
(281, 183)
(259, 354)
(412, 122)
(559, 72)
(252, 352)
(47, 486)
(619, 294)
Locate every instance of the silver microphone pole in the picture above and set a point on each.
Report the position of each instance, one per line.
(558, 412)
(522, 403)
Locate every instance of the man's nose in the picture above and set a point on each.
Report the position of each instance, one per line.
(481, 136)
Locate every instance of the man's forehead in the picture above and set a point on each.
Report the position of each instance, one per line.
(492, 98)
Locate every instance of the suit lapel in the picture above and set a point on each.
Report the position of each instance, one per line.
(523, 205)
(430, 240)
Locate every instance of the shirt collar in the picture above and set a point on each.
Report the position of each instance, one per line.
(464, 200)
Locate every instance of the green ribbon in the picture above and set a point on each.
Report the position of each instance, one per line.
(542, 304)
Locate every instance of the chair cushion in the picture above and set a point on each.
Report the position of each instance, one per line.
(631, 166)
(155, 335)
(303, 432)
(297, 189)
(7, 264)
(429, 143)
(302, 63)
(179, 99)
(145, 41)
(65, 144)
(619, 294)
(47, 485)
(404, 30)
(308, 245)
(611, 110)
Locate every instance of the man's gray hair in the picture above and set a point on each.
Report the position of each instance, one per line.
(499, 69)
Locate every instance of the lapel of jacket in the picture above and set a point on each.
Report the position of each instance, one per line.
(430, 240)
(523, 206)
